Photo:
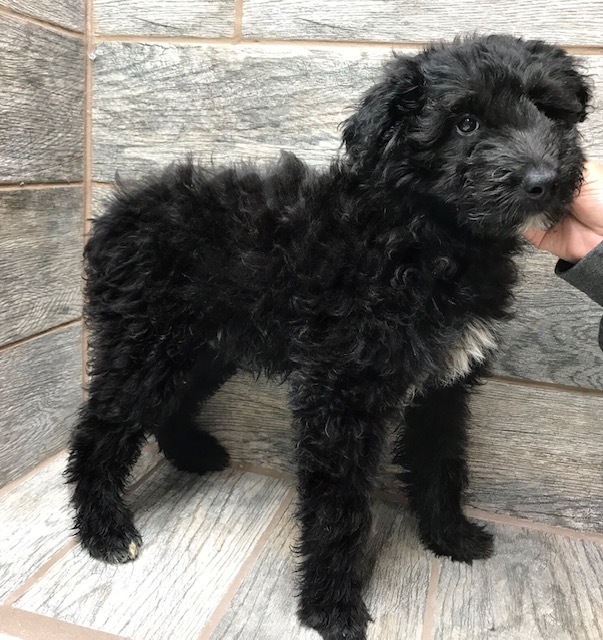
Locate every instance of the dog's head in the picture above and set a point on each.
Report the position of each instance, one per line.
(487, 125)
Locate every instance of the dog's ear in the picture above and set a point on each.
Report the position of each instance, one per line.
(387, 106)
(564, 71)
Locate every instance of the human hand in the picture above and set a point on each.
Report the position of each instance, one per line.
(576, 234)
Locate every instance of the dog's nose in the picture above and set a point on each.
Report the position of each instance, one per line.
(538, 182)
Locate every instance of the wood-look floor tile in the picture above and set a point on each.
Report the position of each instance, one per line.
(264, 606)
(36, 520)
(538, 586)
(197, 533)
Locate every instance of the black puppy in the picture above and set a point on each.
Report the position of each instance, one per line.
(372, 287)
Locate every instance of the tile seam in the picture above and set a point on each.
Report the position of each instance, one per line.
(87, 133)
(225, 602)
(430, 599)
(27, 624)
(238, 21)
(302, 42)
(550, 386)
(40, 186)
(17, 343)
(475, 512)
(40, 22)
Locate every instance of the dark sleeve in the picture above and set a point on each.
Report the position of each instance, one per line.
(586, 275)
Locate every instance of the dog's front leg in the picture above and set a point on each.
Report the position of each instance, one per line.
(339, 440)
(432, 452)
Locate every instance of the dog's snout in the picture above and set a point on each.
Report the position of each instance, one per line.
(539, 182)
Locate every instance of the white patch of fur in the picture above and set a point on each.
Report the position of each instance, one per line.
(538, 221)
(472, 347)
(133, 550)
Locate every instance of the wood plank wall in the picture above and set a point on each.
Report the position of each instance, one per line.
(232, 79)
(41, 226)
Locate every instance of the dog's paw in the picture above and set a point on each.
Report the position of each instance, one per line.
(115, 544)
(338, 623)
(462, 541)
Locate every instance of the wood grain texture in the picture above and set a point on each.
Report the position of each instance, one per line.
(197, 531)
(40, 260)
(421, 20)
(41, 104)
(538, 454)
(65, 13)
(36, 519)
(592, 129)
(206, 18)
(155, 103)
(553, 337)
(40, 383)
(396, 596)
(536, 586)
(101, 197)
(535, 453)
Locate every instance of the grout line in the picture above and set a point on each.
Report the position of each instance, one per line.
(14, 595)
(241, 465)
(13, 484)
(565, 532)
(87, 133)
(488, 516)
(430, 599)
(24, 186)
(222, 607)
(553, 386)
(238, 38)
(161, 39)
(40, 22)
(28, 625)
(35, 336)
(238, 21)
(503, 518)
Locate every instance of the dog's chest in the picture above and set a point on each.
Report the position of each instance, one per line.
(470, 347)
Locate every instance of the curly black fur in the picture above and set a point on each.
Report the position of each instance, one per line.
(371, 287)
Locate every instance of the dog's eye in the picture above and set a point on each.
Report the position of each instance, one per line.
(467, 124)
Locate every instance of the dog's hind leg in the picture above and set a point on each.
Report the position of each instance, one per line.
(135, 386)
(340, 436)
(182, 441)
(102, 455)
(432, 451)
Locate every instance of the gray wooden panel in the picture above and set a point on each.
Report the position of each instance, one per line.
(41, 103)
(154, 103)
(592, 130)
(40, 260)
(553, 337)
(537, 586)
(535, 453)
(36, 516)
(197, 533)
(422, 20)
(40, 391)
(66, 13)
(101, 196)
(207, 18)
(264, 605)
(538, 454)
